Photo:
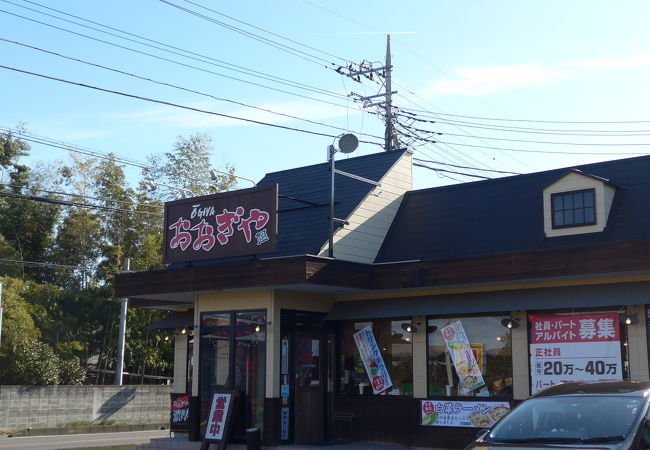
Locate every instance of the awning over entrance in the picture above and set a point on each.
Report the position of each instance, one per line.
(620, 294)
(176, 320)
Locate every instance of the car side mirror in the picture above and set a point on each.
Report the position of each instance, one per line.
(480, 434)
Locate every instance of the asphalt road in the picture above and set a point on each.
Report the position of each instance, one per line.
(81, 440)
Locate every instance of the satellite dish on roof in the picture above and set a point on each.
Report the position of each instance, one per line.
(348, 143)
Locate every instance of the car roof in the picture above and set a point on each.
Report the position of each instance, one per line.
(627, 388)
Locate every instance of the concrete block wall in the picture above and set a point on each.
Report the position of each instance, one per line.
(34, 407)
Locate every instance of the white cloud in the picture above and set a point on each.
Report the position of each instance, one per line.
(184, 118)
(629, 62)
(489, 80)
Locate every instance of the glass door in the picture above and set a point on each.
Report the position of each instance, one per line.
(310, 387)
(233, 356)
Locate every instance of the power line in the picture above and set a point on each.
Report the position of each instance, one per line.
(465, 167)
(543, 151)
(29, 137)
(299, 53)
(175, 105)
(146, 205)
(465, 132)
(267, 31)
(598, 144)
(435, 169)
(162, 83)
(15, 262)
(201, 58)
(338, 96)
(512, 129)
(533, 120)
(59, 202)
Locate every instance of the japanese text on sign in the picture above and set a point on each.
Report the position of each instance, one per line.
(221, 225)
(180, 411)
(459, 347)
(462, 414)
(218, 416)
(372, 360)
(577, 347)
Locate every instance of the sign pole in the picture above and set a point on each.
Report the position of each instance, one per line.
(0, 312)
(121, 337)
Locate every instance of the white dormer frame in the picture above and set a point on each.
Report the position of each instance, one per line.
(578, 181)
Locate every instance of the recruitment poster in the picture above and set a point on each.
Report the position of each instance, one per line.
(577, 347)
(462, 355)
(372, 360)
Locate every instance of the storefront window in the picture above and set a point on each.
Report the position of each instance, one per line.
(233, 356)
(491, 351)
(396, 348)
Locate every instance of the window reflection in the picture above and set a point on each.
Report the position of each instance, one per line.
(491, 347)
(396, 347)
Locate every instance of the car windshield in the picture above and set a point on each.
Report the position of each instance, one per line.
(585, 419)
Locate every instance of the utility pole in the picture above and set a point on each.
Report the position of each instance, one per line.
(388, 133)
(387, 104)
(121, 337)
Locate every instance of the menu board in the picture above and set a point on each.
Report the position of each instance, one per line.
(372, 360)
(574, 347)
(460, 349)
(445, 413)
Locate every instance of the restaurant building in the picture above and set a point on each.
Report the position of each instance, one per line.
(438, 311)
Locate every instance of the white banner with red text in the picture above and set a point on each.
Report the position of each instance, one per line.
(576, 347)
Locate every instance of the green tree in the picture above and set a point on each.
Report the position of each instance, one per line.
(27, 225)
(17, 324)
(187, 167)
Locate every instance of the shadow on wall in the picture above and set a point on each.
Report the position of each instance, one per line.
(115, 403)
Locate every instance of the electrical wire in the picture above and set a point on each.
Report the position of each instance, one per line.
(533, 120)
(59, 202)
(436, 169)
(29, 137)
(544, 151)
(175, 105)
(146, 205)
(162, 83)
(266, 31)
(285, 48)
(465, 132)
(465, 167)
(507, 128)
(190, 66)
(15, 262)
(165, 47)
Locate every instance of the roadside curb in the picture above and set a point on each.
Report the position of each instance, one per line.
(88, 429)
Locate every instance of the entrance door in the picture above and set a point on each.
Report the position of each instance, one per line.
(310, 385)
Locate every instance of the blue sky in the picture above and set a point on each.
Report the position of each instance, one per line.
(555, 61)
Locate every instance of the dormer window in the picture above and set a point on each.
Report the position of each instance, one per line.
(574, 208)
(577, 203)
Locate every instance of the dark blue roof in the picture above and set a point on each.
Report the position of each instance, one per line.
(506, 215)
(302, 227)
(303, 210)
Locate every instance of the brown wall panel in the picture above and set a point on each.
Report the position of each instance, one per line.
(396, 419)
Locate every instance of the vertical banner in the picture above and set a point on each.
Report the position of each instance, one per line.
(468, 370)
(372, 360)
(577, 347)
